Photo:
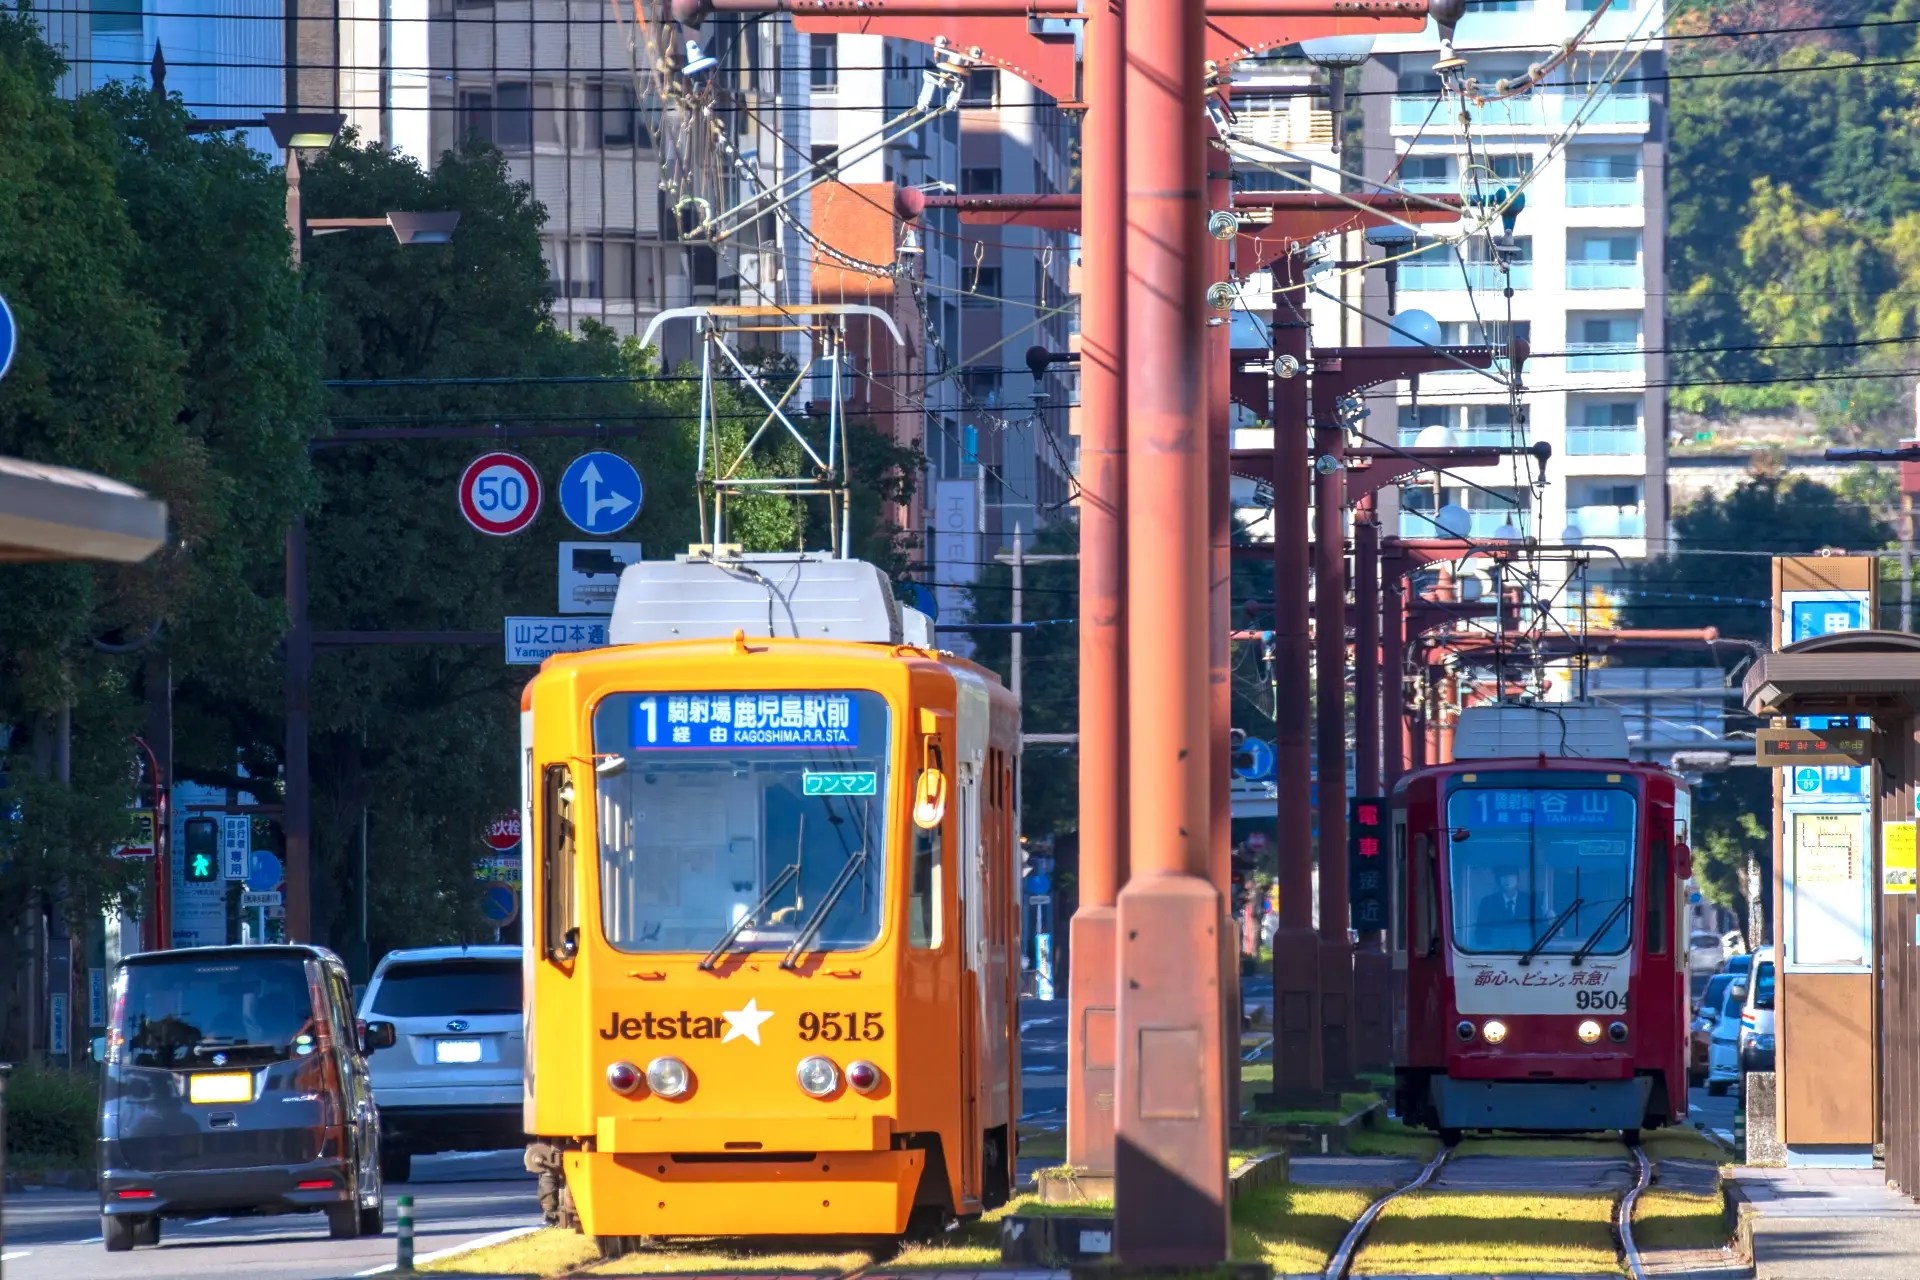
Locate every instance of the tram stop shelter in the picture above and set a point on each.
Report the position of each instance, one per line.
(52, 513)
(1847, 956)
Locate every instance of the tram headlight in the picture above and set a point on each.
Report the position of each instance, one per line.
(863, 1076)
(623, 1077)
(1495, 1031)
(1617, 1031)
(1589, 1031)
(818, 1077)
(1464, 1029)
(668, 1077)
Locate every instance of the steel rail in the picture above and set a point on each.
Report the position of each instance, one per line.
(1340, 1265)
(1643, 1178)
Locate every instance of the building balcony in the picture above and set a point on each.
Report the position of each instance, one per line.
(1605, 357)
(1609, 522)
(1483, 523)
(1603, 275)
(1439, 274)
(1605, 442)
(1604, 193)
(1535, 112)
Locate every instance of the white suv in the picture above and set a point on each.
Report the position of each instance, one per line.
(451, 1081)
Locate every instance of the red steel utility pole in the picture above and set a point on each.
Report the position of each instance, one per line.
(1104, 723)
(1170, 1146)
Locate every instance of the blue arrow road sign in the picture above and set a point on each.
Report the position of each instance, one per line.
(263, 872)
(600, 492)
(9, 337)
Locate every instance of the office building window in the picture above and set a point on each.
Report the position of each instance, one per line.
(983, 88)
(822, 158)
(826, 63)
(115, 17)
(980, 182)
(613, 118)
(985, 288)
(513, 115)
(476, 114)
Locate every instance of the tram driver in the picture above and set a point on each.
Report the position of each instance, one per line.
(1506, 920)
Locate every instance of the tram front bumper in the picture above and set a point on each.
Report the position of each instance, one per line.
(843, 1193)
(690, 1134)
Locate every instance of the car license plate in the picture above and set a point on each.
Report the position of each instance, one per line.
(220, 1086)
(456, 1051)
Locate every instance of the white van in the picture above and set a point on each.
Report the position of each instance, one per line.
(1756, 1015)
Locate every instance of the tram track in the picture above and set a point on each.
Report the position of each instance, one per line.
(1340, 1265)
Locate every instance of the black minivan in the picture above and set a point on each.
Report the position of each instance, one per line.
(235, 1082)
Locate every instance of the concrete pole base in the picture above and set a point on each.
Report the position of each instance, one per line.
(1092, 1037)
(1372, 1010)
(1170, 1141)
(1336, 1014)
(1299, 1081)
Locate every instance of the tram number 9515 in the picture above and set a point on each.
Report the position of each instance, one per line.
(1610, 1000)
(842, 1026)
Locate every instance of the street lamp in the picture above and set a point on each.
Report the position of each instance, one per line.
(1335, 54)
(407, 228)
(304, 130)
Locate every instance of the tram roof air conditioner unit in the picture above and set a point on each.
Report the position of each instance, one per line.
(1507, 731)
(793, 595)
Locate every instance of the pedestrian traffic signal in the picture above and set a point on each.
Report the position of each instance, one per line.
(203, 851)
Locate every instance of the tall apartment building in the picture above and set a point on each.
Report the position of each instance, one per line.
(1587, 274)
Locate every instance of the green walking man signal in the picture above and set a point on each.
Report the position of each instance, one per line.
(203, 850)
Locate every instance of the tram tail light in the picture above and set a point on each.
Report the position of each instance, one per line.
(623, 1077)
(1617, 1030)
(818, 1077)
(1589, 1031)
(863, 1076)
(1495, 1031)
(668, 1077)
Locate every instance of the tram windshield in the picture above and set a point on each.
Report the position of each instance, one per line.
(758, 814)
(1521, 858)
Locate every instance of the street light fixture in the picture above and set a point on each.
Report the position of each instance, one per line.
(304, 130)
(1335, 54)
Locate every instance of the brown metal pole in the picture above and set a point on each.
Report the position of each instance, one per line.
(296, 822)
(1372, 972)
(1330, 661)
(1220, 624)
(1299, 1077)
(1092, 1035)
(1393, 662)
(1170, 1147)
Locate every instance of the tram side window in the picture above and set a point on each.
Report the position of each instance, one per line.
(1659, 898)
(1398, 912)
(561, 936)
(923, 892)
(1427, 898)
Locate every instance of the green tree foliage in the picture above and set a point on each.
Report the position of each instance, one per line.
(163, 342)
(1720, 575)
(1794, 189)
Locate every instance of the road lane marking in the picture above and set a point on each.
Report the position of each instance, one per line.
(498, 1237)
(19, 1253)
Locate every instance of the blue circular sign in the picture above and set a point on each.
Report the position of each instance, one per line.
(600, 492)
(9, 337)
(1806, 779)
(263, 871)
(1038, 883)
(1261, 765)
(499, 904)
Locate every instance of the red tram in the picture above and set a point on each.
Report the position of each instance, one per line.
(1539, 929)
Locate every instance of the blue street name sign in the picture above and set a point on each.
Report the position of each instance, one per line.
(9, 337)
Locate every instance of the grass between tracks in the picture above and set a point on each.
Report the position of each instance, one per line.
(1293, 1228)
(1659, 1144)
(1446, 1232)
(1672, 1220)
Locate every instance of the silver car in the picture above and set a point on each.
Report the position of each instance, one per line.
(451, 1078)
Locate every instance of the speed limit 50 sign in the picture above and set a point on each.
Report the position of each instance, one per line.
(500, 493)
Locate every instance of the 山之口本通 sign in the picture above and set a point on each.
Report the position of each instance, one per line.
(531, 641)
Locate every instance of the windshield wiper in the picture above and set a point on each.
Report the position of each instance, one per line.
(818, 920)
(740, 926)
(1594, 937)
(1541, 941)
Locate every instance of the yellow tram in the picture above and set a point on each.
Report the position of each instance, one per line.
(772, 912)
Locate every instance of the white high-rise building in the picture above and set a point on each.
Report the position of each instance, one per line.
(1584, 282)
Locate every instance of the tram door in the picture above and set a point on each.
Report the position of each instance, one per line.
(972, 1013)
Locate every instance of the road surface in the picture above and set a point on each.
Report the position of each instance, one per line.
(457, 1199)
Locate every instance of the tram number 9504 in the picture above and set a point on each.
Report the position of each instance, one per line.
(1610, 1000)
(842, 1026)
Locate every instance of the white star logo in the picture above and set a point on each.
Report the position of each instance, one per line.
(745, 1022)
